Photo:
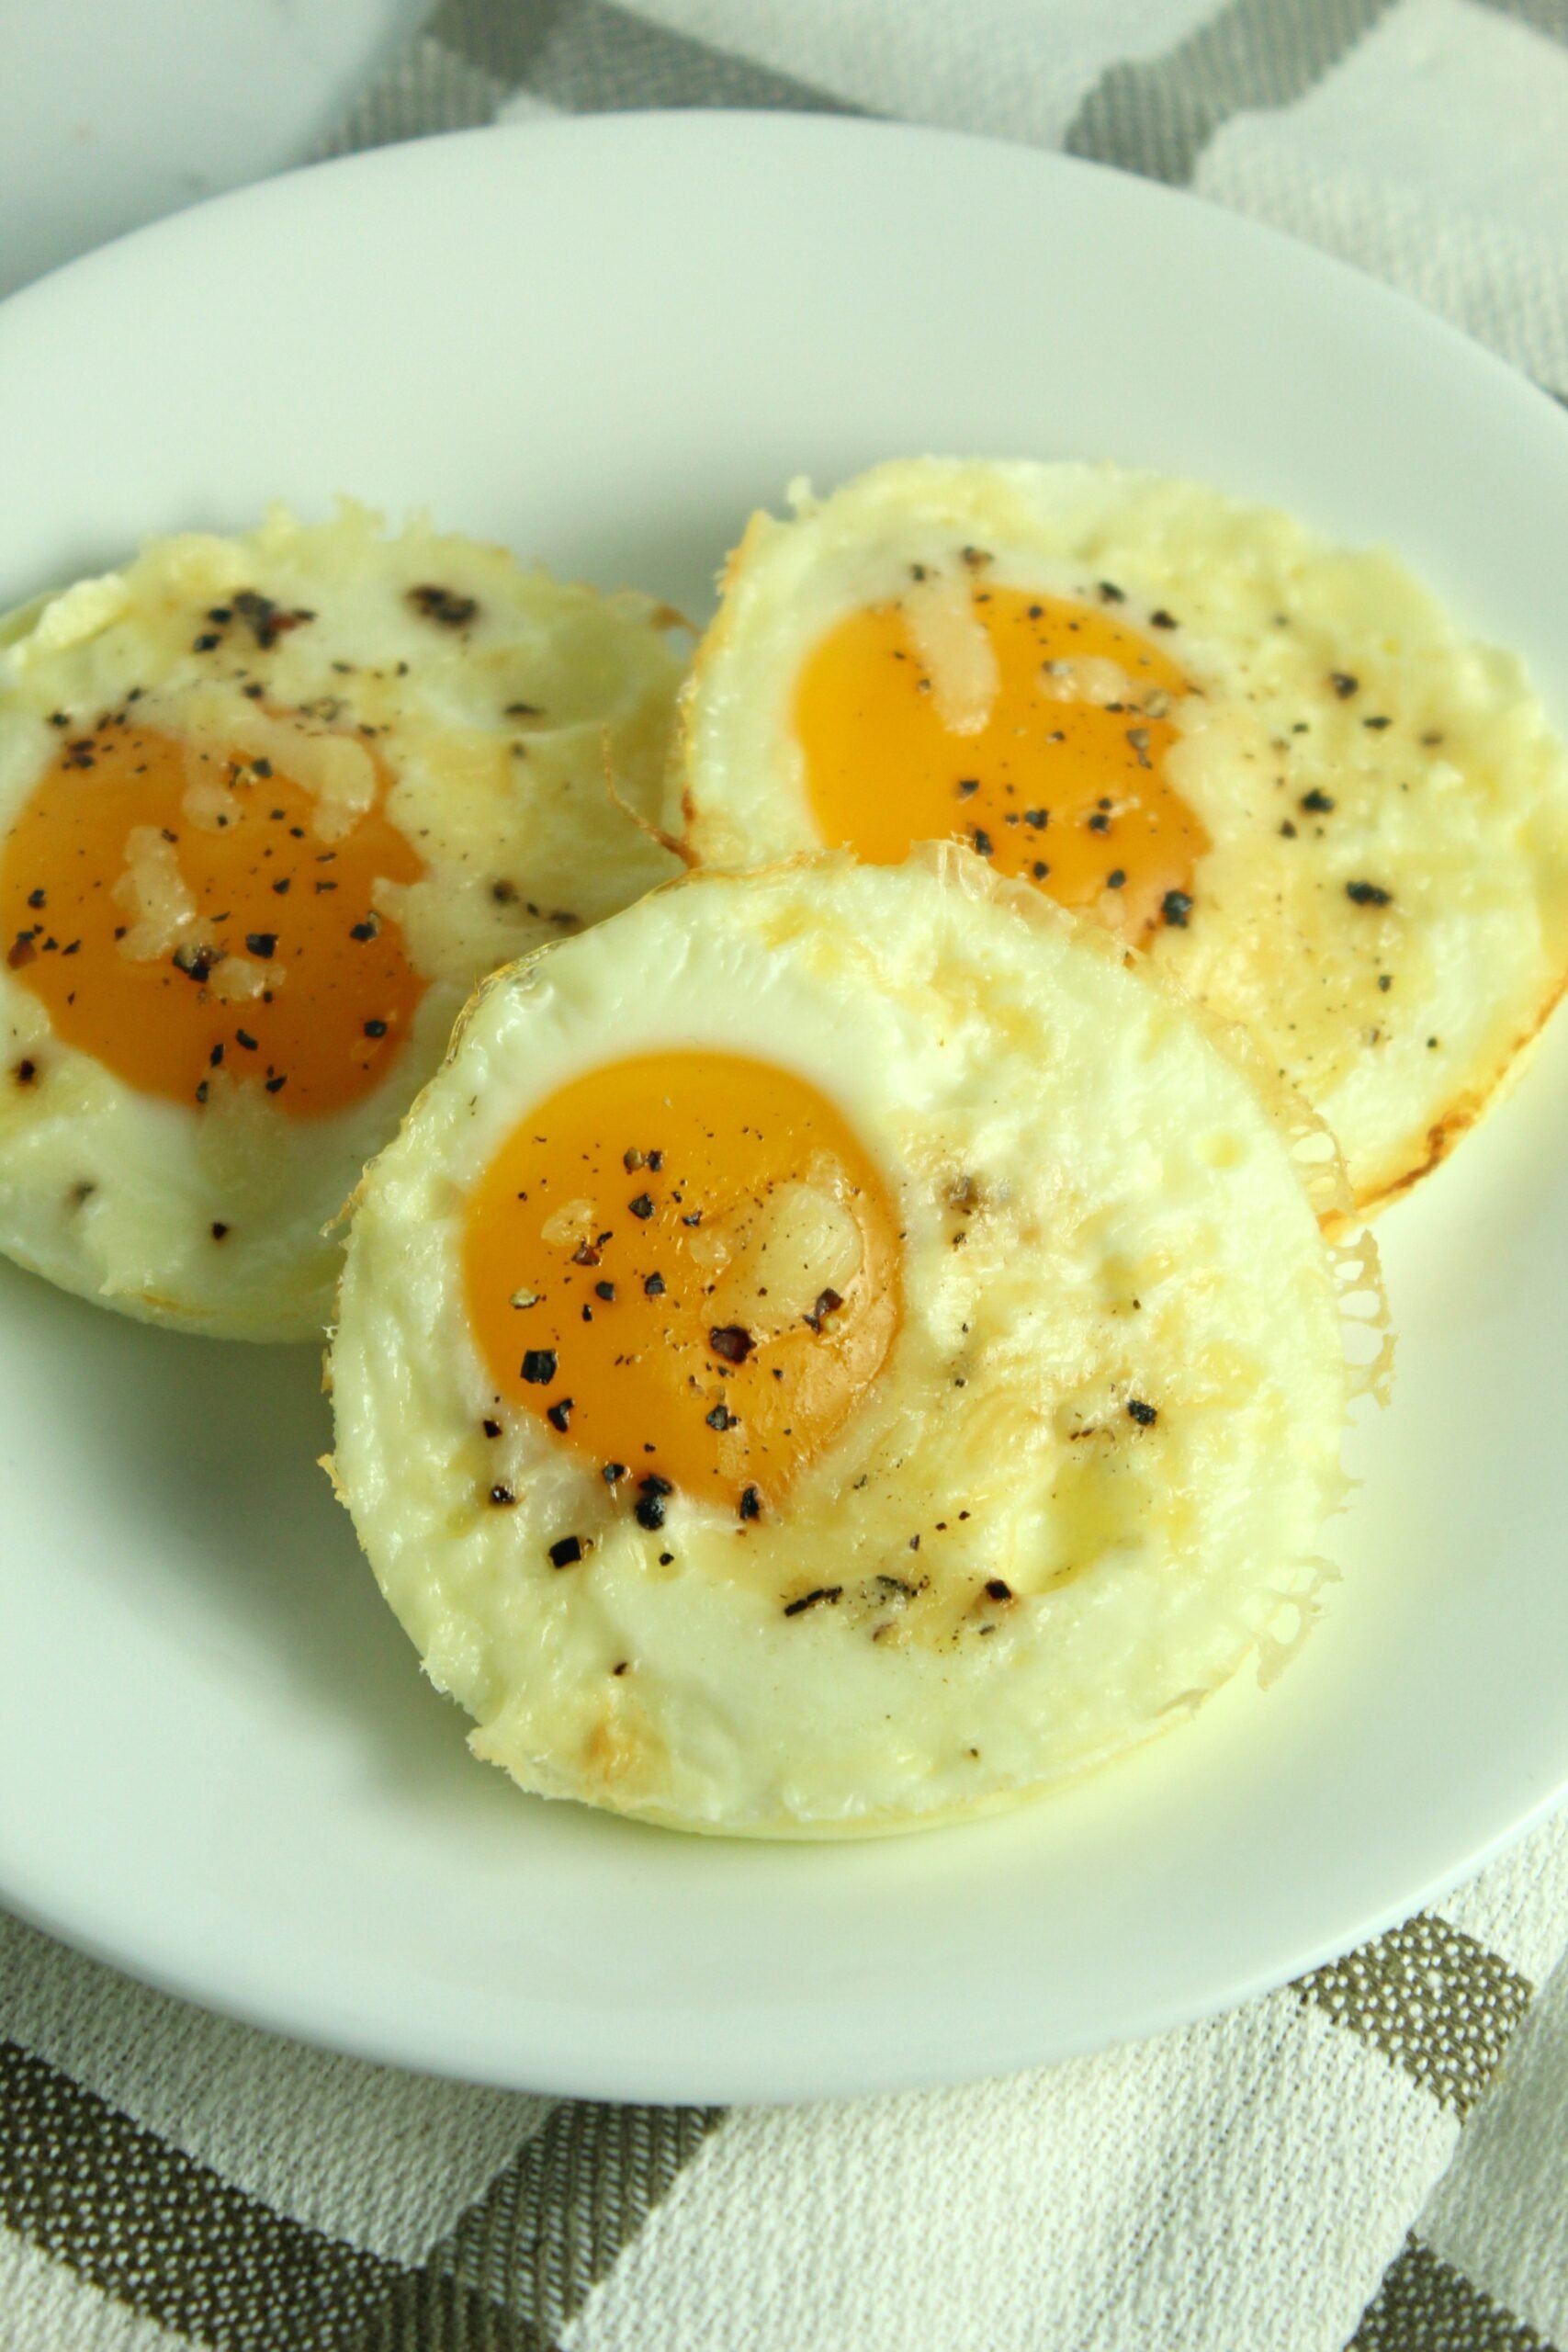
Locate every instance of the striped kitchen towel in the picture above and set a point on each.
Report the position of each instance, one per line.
(1377, 2156)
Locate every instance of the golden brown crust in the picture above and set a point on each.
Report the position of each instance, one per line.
(1466, 1111)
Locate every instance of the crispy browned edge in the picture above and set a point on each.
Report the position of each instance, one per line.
(1464, 1113)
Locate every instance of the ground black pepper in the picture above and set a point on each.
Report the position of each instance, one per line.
(440, 604)
(809, 1599)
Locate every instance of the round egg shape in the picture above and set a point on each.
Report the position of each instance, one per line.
(1275, 766)
(269, 806)
(838, 1348)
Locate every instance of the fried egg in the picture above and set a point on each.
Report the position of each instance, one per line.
(836, 1347)
(269, 806)
(1275, 766)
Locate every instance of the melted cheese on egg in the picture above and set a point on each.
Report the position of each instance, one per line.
(268, 807)
(835, 1347)
(1051, 763)
(1275, 766)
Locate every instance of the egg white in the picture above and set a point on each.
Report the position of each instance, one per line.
(1098, 1205)
(1448, 788)
(114, 1193)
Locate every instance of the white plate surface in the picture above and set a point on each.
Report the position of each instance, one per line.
(605, 342)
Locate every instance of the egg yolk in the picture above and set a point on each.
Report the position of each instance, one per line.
(1033, 728)
(184, 921)
(687, 1265)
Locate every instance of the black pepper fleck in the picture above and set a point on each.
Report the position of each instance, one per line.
(440, 604)
(809, 1599)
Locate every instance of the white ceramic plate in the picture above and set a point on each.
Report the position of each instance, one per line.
(605, 342)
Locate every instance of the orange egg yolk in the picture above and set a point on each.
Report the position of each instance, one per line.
(1062, 780)
(687, 1264)
(182, 921)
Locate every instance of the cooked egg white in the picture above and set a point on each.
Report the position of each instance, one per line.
(269, 805)
(1277, 765)
(839, 1347)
